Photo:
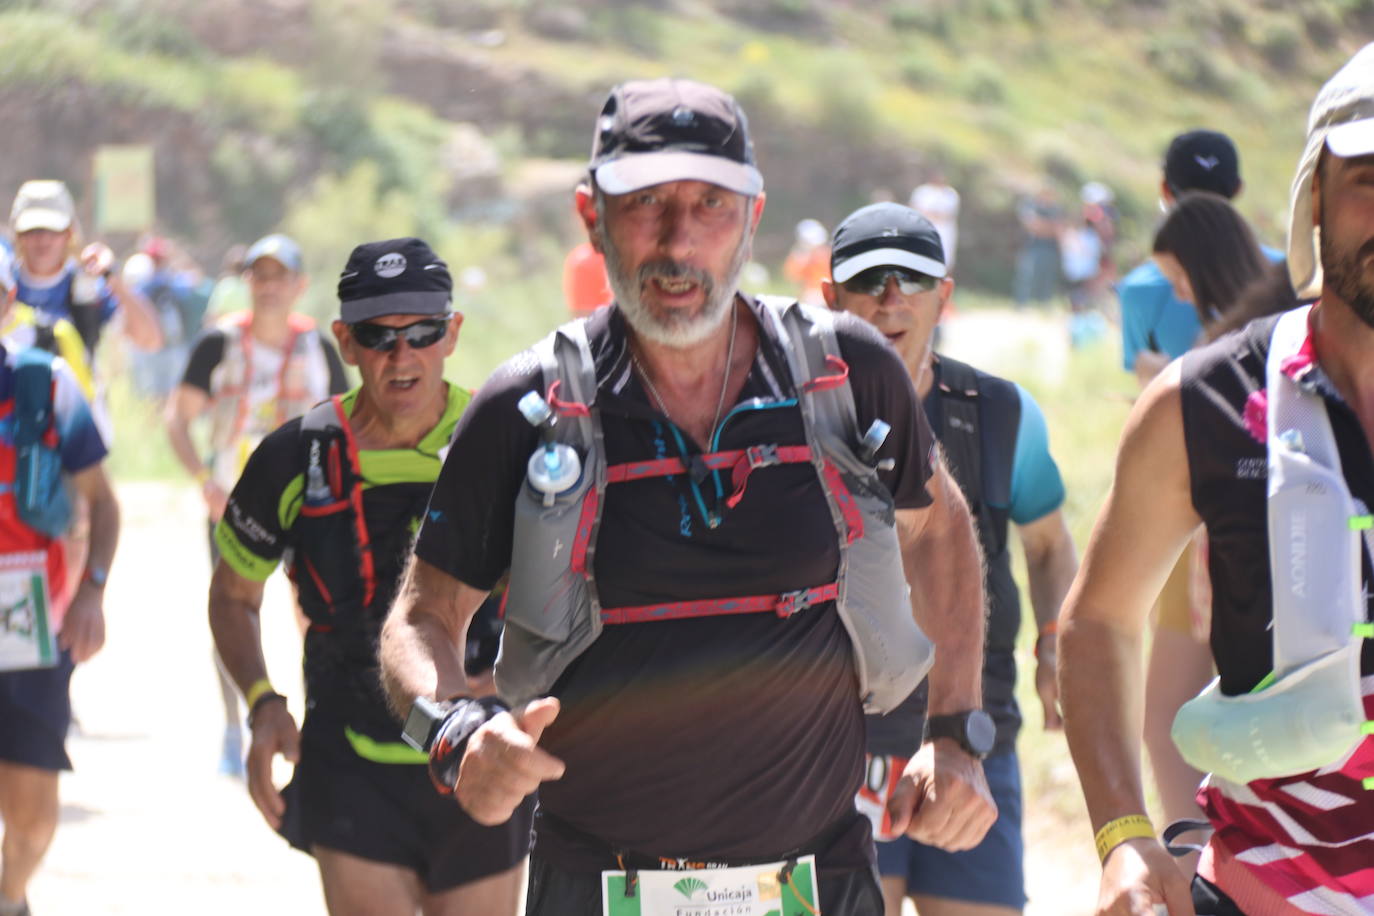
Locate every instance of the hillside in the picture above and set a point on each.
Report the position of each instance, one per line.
(469, 120)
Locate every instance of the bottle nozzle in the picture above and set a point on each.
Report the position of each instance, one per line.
(535, 410)
(873, 440)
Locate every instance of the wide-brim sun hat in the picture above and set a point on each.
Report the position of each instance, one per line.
(1341, 121)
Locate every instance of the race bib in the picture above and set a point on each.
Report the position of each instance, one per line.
(28, 628)
(881, 774)
(748, 890)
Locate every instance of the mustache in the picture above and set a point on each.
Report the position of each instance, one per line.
(668, 269)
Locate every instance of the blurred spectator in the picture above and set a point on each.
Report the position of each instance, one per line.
(179, 294)
(939, 203)
(808, 263)
(61, 279)
(1080, 255)
(1209, 255)
(1099, 210)
(24, 327)
(1037, 263)
(231, 289)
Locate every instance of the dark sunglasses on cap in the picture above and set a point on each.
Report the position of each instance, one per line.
(873, 281)
(420, 334)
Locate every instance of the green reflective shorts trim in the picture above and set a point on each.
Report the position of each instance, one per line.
(383, 751)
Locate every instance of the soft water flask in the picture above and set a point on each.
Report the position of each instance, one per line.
(554, 467)
(872, 441)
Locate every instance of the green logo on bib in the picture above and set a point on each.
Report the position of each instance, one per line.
(688, 887)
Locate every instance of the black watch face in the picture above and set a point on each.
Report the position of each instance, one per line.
(980, 731)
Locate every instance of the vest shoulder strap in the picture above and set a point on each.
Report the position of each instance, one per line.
(565, 356)
(33, 396)
(961, 428)
(807, 336)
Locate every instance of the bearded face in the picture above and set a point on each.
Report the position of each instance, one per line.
(1347, 256)
(634, 289)
(1348, 271)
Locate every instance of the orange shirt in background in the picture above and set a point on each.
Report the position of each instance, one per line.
(584, 280)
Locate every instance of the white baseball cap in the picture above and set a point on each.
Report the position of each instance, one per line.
(42, 204)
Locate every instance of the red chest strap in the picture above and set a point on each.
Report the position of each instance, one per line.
(741, 462)
(784, 605)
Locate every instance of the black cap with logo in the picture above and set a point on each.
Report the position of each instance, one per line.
(885, 235)
(1202, 160)
(655, 131)
(393, 277)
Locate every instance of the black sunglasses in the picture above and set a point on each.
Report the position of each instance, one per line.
(873, 281)
(423, 333)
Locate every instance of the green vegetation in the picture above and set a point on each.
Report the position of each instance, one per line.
(848, 99)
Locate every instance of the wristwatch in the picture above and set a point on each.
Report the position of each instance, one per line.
(423, 721)
(974, 730)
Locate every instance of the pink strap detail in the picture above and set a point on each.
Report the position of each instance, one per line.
(853, 519)
(737, 460)
(565, 408)
(826, 382)
(784, 605)
(762, 456)
(578, 561)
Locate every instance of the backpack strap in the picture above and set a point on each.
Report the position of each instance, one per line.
(961, 427)
(332, 509)
(807, 337)
(33, 398)
(980, 452)
(570, 387)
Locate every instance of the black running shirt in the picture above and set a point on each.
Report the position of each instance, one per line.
(1224, 430)
(718, 738)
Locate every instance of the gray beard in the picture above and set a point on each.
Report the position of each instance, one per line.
(1344, 273)
(675, 329)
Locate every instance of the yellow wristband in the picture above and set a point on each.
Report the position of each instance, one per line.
(260, 688)
(1114, 833)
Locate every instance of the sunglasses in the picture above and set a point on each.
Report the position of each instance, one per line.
(873, 281)
(423, 333)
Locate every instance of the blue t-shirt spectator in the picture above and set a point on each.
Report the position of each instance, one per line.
(53, 296)
(1037, 489)
(1153, 318)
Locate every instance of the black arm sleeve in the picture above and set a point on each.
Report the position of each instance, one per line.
(205, 356)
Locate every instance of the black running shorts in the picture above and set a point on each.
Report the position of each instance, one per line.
(391, 813)
(35, 712)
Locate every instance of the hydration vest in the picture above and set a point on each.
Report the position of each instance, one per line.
(334, 568)
(233, 432)
(553, 612)
(1308, 713)
(988, 494)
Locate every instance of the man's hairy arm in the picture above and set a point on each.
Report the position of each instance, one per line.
(1051, 562)
(424, 636)
(944, 565)
(83, 626)
(235, 605)
(943, 799)
(235, 602)
(1147, 520)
